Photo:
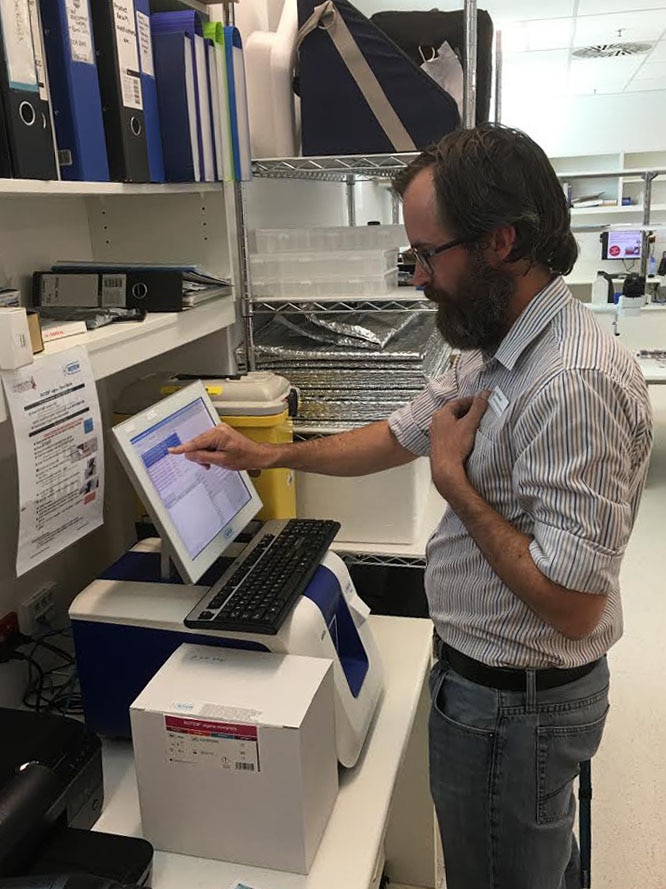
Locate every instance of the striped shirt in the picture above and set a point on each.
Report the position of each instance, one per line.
(563, 458)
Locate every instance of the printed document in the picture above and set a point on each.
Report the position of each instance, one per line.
(60, 452)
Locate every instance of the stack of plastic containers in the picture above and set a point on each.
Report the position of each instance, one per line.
(345, 262)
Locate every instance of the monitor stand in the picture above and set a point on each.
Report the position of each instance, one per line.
(166, 562)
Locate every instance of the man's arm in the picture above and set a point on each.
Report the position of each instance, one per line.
(360, 451)
(507, 552)
(574, 614)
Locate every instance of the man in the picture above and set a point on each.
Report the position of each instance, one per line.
(539, 439)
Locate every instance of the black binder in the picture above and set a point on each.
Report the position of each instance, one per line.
(27, 149)
(153, 290)
(114, 28)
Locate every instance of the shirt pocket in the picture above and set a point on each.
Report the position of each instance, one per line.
(490, 460)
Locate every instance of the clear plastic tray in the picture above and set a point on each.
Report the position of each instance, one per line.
(343, 288)
(358, 237)
(331, 266)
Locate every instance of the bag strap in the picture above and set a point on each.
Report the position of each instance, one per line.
(327, 17)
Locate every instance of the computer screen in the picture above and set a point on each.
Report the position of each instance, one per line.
(197, 511)
(622, 244)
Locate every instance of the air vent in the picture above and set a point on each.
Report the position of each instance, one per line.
(612, 50)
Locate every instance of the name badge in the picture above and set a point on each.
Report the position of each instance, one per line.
(498, 401)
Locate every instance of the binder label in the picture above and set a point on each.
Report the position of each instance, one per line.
(145, 44)
(128, 53)
(19, 52)
(80, 32)
(38, 49)
(113, 291)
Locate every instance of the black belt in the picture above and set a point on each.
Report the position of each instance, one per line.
(505, 678)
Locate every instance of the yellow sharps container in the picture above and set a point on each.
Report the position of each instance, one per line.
(259, 405)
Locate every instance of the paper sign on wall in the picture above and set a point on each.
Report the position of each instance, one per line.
(60, 453)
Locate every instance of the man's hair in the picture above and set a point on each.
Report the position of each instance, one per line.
(491, 176)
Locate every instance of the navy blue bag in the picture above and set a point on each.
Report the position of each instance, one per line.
(360, 94)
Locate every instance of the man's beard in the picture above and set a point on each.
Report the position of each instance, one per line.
(477, 317)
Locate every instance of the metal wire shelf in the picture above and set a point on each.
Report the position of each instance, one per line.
(382, 561)
(331, 169)
(413, 304)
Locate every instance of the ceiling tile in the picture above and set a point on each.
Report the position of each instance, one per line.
(590, 76)
(651, 71)
(503, 11)
(658, 54)
(639, 86)
(599, 7)
(530, 75)
(537, 35)
(596, 29)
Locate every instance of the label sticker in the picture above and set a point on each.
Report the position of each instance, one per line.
(145, 44)
(19, 50)
(38, 50)
(216, 711)
(113, 291)
(498, 401)
(128, 53)
(232, 746)
(80, 33)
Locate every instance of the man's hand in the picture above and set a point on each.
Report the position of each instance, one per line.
(224, 446)
(452, 433)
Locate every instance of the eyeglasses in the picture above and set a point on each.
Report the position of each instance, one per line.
(424, 255)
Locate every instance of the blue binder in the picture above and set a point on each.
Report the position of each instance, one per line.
(238, 114)
(75, 93)
(172, 54)
(149, 89)
(189, 22)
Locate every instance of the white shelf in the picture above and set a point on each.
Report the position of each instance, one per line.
(40, 188)
(614, 211)
(432, 515)
(124, 344)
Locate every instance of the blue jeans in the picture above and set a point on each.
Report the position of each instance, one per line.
(502, 766)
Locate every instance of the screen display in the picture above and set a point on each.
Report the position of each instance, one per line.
(622, 245)
(200, 502)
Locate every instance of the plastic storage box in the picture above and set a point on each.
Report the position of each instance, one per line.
(341, 288)
(341, 237)
(386, 507)
(328, 266)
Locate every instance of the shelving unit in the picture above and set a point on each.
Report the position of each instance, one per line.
(350, 170)
(45, 222)
(118, 347)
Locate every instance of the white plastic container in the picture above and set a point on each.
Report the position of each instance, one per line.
(328, 266)
(600, 287)
(342, 288)
(386, 507)
(341, 237)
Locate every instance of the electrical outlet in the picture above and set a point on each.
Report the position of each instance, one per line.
(37, 609)
(9, 626)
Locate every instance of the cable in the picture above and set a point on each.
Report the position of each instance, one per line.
(54, 688)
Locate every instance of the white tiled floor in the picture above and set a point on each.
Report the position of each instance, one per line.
(629, 772)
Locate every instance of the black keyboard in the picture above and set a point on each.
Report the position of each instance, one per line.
(257, 593)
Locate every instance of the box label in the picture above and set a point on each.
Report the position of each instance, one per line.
(233, 746)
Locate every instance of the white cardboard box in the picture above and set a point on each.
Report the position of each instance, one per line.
(386, 507)
(235, 756)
